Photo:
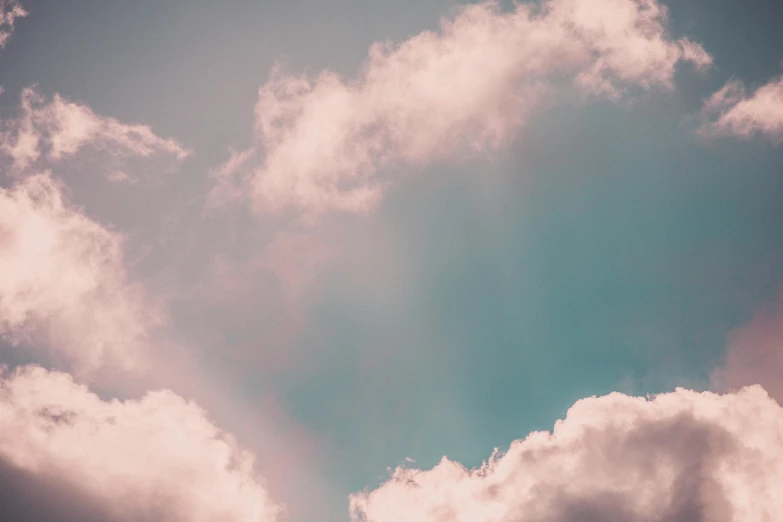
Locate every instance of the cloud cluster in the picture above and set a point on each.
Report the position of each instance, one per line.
(63, 280)
(732, 111)
(157, 458)
(320, 146)
(64, 286)
(10, 10)
(465, 88)
(50, 131)
(682, 456)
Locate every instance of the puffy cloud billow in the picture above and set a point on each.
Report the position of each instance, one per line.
(465, 88)
(677, 457)
(148, 460)
(63, 281)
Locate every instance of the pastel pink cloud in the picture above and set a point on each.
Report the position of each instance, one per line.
(678, 456)
(63, 282)
(465, 89)
(732, 111)
(50, 131)
(151, 459)
(755, 353)
(10, 10)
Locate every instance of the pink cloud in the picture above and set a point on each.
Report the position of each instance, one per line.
(50, 131)
(321, 141)
(731, 111)
(755, 354)
(678, 456)
(294, 259)
(156, 458)
(10, 10)
(63, 281)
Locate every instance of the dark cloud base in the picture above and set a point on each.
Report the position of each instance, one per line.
(26, 497)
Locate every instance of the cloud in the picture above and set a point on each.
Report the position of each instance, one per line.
(681, 456)
(732, 112)
(465, 89)
(157, 458)
(755, 353)
(10, 10)
(294, 259)
(63, 281)
(50, 131)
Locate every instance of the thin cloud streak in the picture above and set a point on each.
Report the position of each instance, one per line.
(47, 132)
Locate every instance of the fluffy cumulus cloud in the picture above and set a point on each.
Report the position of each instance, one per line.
(755, 353)
(10, 10)
(63, 281)
(462, 89)
(157, 458)
(50, 131)
(682, 456)
(732, 111)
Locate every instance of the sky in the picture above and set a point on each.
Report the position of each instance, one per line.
(364, 261)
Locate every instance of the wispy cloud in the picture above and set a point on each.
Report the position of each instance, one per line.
(46, 132)
(755, 353)
(466, 88)
(732, 111)
(63, 281)
(156, 458)
(680, 456)
(10, 10)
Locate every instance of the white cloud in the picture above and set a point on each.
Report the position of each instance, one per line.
(50, 131)
(731, 111)
(10, 10)
(63, 281)
(465, 88)
(157, 458)
(682, 456)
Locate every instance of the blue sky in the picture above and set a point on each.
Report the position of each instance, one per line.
(605, 245)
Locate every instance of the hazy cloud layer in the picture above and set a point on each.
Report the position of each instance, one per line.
(63, 281)
(732, 111)
(46, 132)
(755, 353)
(680, 457)
(463, 89)
(10, 10)
(157, 458)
